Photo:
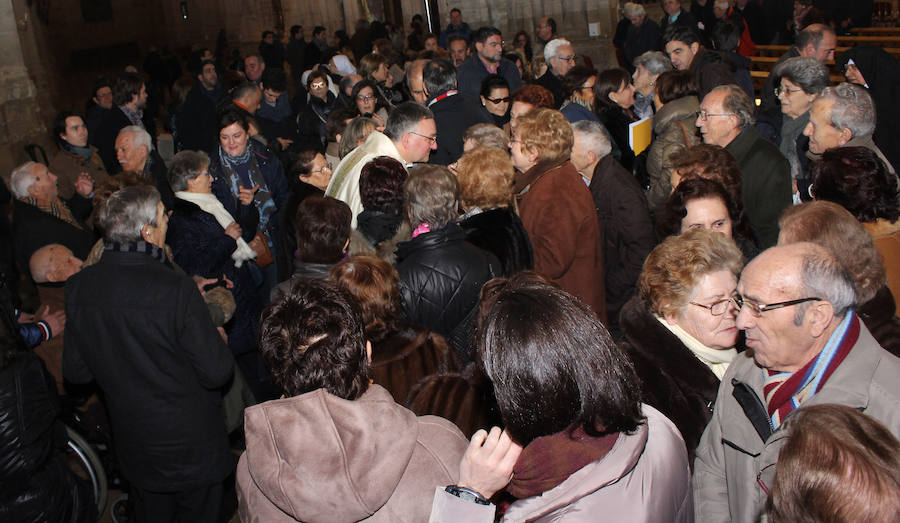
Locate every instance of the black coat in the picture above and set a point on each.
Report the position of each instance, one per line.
(452, 116)
(34, 228)
(673, 380)
(104, 138)
(553, 84)
(287, 231)
(160, 174)
(36, 485)
(500, 232)
(628, 235)
(201, 247)
(143, 333)
(196, 122)
(639, 40)
(616, 121)
(441, 275)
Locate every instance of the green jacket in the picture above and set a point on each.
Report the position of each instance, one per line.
(765, 183)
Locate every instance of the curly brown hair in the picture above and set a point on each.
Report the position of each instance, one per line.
(375, 285)
(485, 177)
(675, 266)
(711, 162)
(547, 132)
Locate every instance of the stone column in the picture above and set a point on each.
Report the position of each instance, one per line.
(20, 113)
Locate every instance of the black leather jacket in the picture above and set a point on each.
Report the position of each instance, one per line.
(441, 275)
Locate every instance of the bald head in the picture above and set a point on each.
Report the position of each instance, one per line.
(53, 263)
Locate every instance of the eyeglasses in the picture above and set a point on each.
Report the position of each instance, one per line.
(703, 115)
(779, 91)
(326, 167)
(757, 310)
(318, 85)
(432, 139)
(498, 100)
(718, 308)
(570, 58)
(365, 98)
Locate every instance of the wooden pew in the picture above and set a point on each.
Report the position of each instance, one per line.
(759, 79)
(778, 50)
(876, 31)
(882, 40)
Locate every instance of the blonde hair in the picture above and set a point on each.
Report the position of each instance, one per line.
(547, 132)
(485, 177)
(675, 266)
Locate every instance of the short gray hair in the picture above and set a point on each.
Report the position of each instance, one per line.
(552, 46)
(633, 9)
(405, 118)
(126, 212)
(738, 103)
(21, 179)
(853, 108)
(486, 135)
(654, 62)
(808, 73)
(593, 136)
(186, 166)
(823, 276)
(140, 136)
(431, 195)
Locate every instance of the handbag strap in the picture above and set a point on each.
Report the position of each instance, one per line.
(687, 139)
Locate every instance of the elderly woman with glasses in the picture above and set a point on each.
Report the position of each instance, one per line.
(210, 239)
(680, 330)
(319, 104)
(801, 81)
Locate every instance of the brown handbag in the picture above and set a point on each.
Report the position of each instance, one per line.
(261, 246)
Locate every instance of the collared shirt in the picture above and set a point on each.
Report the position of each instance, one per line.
(492, 67)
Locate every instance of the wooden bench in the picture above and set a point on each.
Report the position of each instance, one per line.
(882, 40)
(778, 50)
(759, 79)
(876, 31)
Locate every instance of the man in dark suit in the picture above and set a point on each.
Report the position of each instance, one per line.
(454, 112)
(487, 59)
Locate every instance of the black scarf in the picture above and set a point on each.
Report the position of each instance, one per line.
(84, 152)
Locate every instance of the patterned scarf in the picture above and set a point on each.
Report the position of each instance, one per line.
(135, 117)
(55, 208)
(163, 256)
(263, 200)
(786, 391)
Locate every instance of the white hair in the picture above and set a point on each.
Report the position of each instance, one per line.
(633, 9)
(139, 136)
(552, 46)
(593, 136)
(21, 179)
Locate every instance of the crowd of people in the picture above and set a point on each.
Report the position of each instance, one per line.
(427, 276)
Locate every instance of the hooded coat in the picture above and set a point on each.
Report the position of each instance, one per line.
(317, 457)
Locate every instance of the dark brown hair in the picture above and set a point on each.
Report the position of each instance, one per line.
(323, 227)
(312, 338)
(711, 162)
(528, 334)
(672, 85)
(856, 178)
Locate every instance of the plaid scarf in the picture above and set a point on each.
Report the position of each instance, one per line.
(162, 255)
(135, 117)
(57, 209)
(785, 391)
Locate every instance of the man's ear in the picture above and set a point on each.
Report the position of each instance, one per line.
(846, 135)
(695, 47)
(818, 316)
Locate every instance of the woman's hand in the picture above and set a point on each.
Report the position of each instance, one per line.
(487, 465)
(245, 195)
(233, 230)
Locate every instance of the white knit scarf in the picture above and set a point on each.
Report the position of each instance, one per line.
(717, 360)
(209, 203)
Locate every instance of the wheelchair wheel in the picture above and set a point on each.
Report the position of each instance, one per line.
(81, 458)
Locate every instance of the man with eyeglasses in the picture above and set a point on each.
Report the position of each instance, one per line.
(560, 57)
(806, 346)
(454, 112)
(409, 137)
(726, 119)
(487, 59)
